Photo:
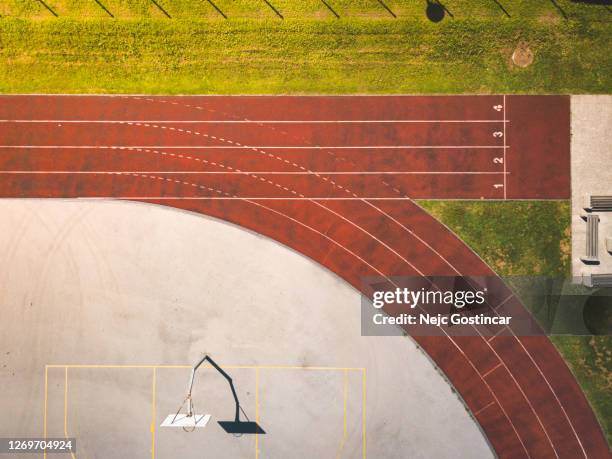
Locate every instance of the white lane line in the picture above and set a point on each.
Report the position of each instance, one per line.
(484, 375)
(505, 141)
(247, 121)
(476, 413)
(264, 198)
(270, 147)
(497, 333)
(504, 301)
(262, 172)
(379, 241)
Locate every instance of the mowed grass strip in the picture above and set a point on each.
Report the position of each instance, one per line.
(158, 55)
(305, 9)
(525, 238)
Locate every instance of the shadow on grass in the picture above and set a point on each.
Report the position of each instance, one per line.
(217, 9)
(161, 9)
(104, 8)
(385, 6)
(561, 10)
(435, 11)
(501, 7)
(330, 9)
(274, 9)
(594, 2)
(48, 8)
(607, 4)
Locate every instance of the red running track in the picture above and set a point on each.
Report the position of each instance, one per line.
(333, 178)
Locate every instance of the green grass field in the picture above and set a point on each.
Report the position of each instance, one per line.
(517, 238)
(290, 9)
(533, 238)
(141, 50)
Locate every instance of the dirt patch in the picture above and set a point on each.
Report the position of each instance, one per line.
(522, 55)
(549, 18)
(565, 246)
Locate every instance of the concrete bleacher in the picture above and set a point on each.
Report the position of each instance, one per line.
(591, 255)
(591, 169)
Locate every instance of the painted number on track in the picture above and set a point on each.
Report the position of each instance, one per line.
(498, 185)
(498, 108)
(498, 134)
(498, 160)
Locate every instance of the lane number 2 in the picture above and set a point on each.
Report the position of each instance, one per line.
(498, 160)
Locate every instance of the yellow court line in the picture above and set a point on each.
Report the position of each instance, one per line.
(345, 397)
(255, 367)
(45, 409)
(66, 408)
(363, 411)
(344, 430)
(114, 366)
(246, 367)
(257, 411)
(153, 390)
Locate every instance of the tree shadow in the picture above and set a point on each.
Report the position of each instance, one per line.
(561, 11)
(605, 3)
(48, 8)
(104, 8)
(385, 6)
(161, 9)
(436, 11)
(274, 9)
(217, 9)
(501, 7)
(330, 9)
(594, 2)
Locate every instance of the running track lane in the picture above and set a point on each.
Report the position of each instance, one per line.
(519, 389)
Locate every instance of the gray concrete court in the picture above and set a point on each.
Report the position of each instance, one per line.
(591, 174)
(117, 283)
